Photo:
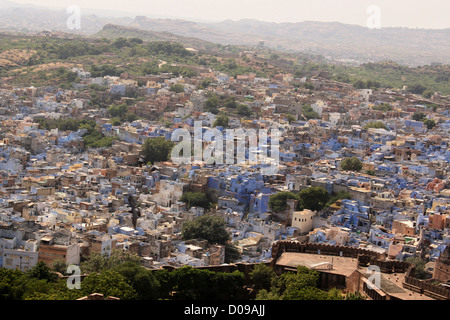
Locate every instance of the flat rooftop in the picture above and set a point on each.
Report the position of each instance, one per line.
(340, 265)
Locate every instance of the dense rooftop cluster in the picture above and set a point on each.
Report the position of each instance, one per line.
(69, 171)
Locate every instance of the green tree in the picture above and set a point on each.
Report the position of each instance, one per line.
(274, 56)
(429, 123)
(290, 118)
(12, 283)
(141, 279)
(116, 121)
(243, 110)
(419, 271)
(351, 164)
(104, 70)
(157, 149)
(375, 125)
(304, 293)
(313, 198)
(197, 284)
(109, 283)
(136, 40)
(99, 262)
(230, 103)
(118, 110)
(205, 83)
(354, 296)
(300, 285)
(196, 199)
(211, 104)
(130, 117)
(309, 113)
(41, 272)
(417, 89)
(221, 121)
(335, 294)
(418, 116)
(209, 227)
(383, 107)
(60, 266)
(177, 88)
(262, 276)
(308, 85)
(121, 42)
(278, 201)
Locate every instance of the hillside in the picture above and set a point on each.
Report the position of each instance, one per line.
(38, 59)
(111, 31)
(339, 41)
(351, 44)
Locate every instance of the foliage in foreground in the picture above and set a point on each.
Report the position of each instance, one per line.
(120, 275)
(300, 285)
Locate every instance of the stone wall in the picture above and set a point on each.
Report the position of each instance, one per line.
(391, 266)
(431, 290)
(319, 248)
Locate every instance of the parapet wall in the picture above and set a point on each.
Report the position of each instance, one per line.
(426, 288)
(391, 266)
(320, 248)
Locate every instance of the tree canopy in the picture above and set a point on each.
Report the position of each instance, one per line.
(351, 164)
(177, 88)
(262, 276)
(278, 201)
(191, 283)
(313, 198)
(196, 199)
(375, 125)
(221, 121)
(429, 123)
(243, 110)
(157, 149)
(209, 227)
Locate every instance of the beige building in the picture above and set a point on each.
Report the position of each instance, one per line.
(403, 227)
(303, 220)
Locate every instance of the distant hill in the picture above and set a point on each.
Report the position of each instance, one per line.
(192, 29)
(340, 41)
(111, 31)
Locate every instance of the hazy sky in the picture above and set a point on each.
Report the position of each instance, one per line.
(393, 13)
